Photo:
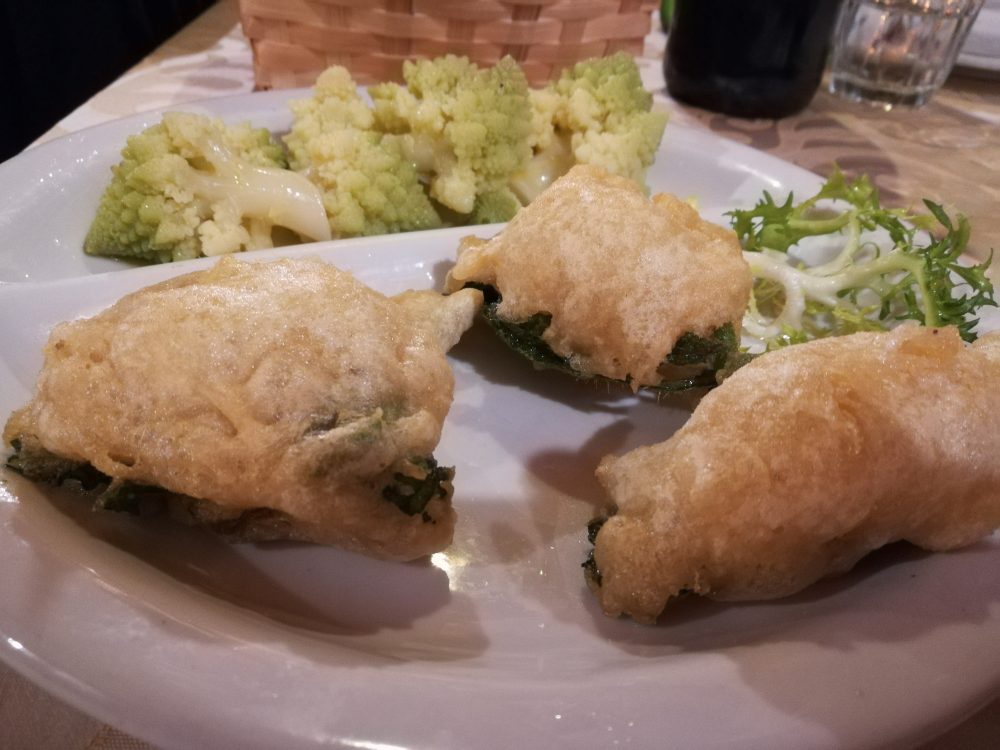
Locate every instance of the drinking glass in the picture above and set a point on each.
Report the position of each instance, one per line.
(897, 52)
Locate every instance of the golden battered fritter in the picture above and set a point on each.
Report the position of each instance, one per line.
(802, 462)
(282, 399)
(622, 276)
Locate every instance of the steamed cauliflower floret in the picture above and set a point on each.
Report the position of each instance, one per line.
(544, 105)
(596, 113)
(466, 129)
(369, 184)
(191, 186)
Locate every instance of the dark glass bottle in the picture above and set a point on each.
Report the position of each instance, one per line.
(749, 58)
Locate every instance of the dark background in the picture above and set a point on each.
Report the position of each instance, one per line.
(55, 54)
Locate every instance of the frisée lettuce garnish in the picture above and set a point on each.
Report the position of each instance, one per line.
(839, 262)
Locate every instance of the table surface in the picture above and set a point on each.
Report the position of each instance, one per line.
(949, 152)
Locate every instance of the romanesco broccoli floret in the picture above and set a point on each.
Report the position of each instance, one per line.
(597, 112)
(369, 184)
(191, 186)
(494, 206)
(466, 129)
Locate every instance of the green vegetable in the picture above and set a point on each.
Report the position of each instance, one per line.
(130, 497)
(32, 461)
(191, 186)
(720, 354)
(368, 181)
(598, 113)
(458, 144)
(592, 573)
(494, 206)
(590, 570)
(423, 481)
(525, 336)
(123, 496)
(465, 128)
(694, 362)
(891, 265)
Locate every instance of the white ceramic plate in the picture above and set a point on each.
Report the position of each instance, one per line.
(496, 643)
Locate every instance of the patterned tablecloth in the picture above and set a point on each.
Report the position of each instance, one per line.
(948, 151)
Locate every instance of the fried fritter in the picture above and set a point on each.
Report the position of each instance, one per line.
(271, 400)
(621, 278)
(801, 463)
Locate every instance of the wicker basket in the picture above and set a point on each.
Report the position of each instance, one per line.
(293, 40)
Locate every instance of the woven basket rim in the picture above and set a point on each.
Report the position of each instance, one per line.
(294, 40)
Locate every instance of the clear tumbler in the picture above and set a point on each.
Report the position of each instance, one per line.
(897, 52)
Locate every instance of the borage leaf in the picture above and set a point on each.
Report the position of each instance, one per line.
(694, 362)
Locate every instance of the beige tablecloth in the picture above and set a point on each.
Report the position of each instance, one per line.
(949, 152)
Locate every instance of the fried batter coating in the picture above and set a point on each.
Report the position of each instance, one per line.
(622, 276)
(801, 463)
(281, 399)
